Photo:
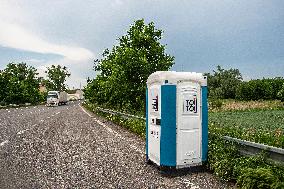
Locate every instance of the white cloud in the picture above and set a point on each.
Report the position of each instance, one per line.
(116, 3)
(14, 36)
(33, 60)
(15, 33)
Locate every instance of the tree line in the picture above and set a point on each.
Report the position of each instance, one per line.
(19, 83)
(228, 84)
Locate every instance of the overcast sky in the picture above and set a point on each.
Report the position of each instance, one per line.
(248, 35)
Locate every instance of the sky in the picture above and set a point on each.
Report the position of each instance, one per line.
(200, 34)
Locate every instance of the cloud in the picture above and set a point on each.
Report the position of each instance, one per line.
(16, 32)
(14, 36)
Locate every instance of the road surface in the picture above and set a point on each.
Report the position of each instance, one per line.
(68, 147)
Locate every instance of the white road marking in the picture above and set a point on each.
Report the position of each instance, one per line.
(106, 127)
(189, 184)
(21, 132)
(85, 111)
(4, 142)
(111, 131)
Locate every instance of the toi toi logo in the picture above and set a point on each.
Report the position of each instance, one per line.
(155, 104)
(190, 105)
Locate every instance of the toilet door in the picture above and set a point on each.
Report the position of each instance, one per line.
(154, 124)
(188, 123)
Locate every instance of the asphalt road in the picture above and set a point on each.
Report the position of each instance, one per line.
(68, 147)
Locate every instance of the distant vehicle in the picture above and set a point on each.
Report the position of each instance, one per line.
(73, 98)
(56, 98)
(80, 94)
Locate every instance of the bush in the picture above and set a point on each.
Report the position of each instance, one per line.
(260, 89)
(19, 84)
(215, 103)
(280, 94)
(257, 178)
(223, 83)
(249, 172)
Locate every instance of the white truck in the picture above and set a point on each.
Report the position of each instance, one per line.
(80, 94)
(56, 98)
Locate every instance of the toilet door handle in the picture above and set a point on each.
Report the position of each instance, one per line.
(158, 121)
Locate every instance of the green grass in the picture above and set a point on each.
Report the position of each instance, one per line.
(261, 126)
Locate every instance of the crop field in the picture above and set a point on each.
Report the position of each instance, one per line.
(262, 126)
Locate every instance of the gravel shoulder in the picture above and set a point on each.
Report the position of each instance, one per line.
(68, 147)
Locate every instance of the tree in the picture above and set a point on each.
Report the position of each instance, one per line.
(57, 76)
(19, 84)
(125, 68)
(280, 94)
(260, 89)
(3, 84)
(223, 83)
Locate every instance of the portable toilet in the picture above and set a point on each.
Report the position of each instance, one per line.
(176, 119)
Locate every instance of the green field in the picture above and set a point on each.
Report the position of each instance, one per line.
(261, 126)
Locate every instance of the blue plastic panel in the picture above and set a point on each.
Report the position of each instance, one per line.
(168, 126)
(204, 123)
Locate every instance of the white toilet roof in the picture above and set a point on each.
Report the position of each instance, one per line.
(173, 77)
